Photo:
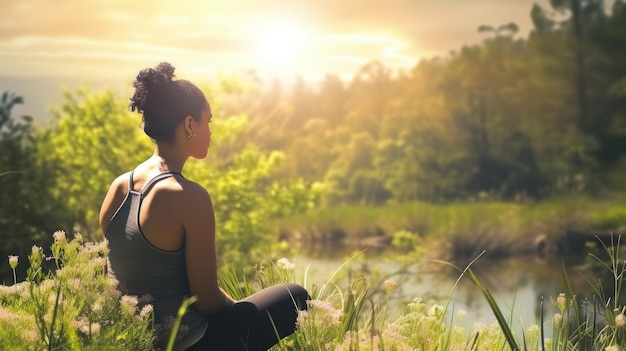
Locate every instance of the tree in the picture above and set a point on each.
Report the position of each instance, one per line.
(481, 87)
(28, 214)
(594, 42)
(352, 178)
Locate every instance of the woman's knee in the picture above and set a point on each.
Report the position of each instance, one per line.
(299, 294)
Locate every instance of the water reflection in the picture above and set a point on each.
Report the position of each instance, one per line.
(517, 284)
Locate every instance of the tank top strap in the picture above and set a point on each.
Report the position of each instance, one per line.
(157, 178)
(131, 184)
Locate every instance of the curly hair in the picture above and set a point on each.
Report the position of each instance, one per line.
(164, 102)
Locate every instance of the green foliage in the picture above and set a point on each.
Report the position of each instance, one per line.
(27, 210)
(246, 200)
(93, 139)
(609, 219)
(405, 241)
(74, 307)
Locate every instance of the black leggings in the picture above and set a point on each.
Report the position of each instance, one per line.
(257, 322)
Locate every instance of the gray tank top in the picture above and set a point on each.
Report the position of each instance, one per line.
(144, 270)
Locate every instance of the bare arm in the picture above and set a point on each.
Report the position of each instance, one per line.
(200, 252)
(112, 200)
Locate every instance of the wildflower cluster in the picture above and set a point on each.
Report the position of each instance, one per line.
(76, 305)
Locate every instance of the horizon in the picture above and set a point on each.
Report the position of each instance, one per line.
(111, 41)
(277, 38)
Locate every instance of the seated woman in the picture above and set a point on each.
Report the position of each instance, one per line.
(161, 231)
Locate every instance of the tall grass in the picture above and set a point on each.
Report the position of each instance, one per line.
(76, 306)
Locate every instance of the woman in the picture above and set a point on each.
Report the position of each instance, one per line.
(161, 231)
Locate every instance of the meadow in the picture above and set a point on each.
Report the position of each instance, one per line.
(75, 305)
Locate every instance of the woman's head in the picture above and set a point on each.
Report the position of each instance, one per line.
(165, 102)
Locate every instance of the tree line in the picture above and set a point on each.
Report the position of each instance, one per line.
(535, 116)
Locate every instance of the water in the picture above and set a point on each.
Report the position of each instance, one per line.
(517, 284)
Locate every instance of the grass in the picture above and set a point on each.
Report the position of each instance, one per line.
(78, 307)
(463, 230)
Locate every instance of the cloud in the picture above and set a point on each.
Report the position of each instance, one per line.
(40, 36)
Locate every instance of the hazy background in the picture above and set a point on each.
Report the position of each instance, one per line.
(45, 45)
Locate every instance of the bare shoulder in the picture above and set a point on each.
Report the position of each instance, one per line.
(113, 199)
(118, 188)
(181, 186)
(181, 190)
(194, 189)
(182, 200)
(120, 183)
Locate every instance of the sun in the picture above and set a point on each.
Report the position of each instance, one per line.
(280, 43)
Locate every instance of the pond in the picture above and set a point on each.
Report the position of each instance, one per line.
(518, 284)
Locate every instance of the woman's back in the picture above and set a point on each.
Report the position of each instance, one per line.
(159, 218)
(146, 246)
(140, 263)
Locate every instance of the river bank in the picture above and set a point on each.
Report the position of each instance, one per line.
(461, 230)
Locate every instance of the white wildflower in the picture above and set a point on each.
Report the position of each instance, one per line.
(390, 284)
(78, 237)
(557, 319)
(285, 264)
(620, 320)
(436, 311)
(612, 348)
(59, 236)
(97, 307)
(99, 248)
(417, 305)
(113, 293)
(87, 328)
(146, 311)
(129, 305)
(561, 302)
(130, 300)
(325, 315)
(13, 260)
(302, 317)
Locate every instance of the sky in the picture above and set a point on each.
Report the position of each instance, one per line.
(283, 38)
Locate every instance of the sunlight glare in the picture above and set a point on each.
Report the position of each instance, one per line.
(280, 43)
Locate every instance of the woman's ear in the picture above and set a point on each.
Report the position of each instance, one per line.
(188, 125)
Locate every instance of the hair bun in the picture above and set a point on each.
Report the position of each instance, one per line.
(167, 69)
(149, 80)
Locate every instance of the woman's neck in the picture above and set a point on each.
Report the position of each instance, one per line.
(168, 160)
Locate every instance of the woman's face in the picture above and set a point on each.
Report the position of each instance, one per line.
(202, 137)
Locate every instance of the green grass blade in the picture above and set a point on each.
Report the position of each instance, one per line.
(506, 330)
(179, 317)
